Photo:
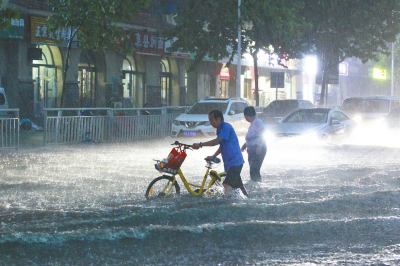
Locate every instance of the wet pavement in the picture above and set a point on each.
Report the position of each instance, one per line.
(85, 205)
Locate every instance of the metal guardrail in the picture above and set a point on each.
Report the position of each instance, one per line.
(9, 128)
(92, 125)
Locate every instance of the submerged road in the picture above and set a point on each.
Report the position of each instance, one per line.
(318, 204)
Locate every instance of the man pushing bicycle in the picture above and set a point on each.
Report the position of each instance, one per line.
(229, 149)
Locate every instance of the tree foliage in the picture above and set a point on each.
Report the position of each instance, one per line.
(205, 28)
(347, 28)
(210, 27)
(276, 27)
(275, 23)
(6, 14)
(333, 29)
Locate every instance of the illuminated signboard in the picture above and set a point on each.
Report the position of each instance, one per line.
(379, 73)
(148, 42)
(40, 34)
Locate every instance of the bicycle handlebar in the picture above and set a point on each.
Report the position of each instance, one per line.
(180, 144)
(214, 160)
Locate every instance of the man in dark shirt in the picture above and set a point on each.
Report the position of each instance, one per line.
(229, 149)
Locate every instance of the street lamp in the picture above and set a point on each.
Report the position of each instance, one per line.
(239, 52)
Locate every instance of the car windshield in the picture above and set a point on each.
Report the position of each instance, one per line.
(308, 116)
(355, 105)
(280, 108)
(206, 107)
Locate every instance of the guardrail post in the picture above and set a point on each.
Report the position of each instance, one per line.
(164, 121)
(59, 115)
(110, 118)
(17, 129)
(45, 128)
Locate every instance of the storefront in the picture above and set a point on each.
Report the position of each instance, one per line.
(132, 84)
(45, 79)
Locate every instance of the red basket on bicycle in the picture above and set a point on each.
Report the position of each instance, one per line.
(175, 158)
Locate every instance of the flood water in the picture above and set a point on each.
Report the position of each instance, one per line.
(85, 205)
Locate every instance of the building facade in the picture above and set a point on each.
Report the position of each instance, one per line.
(32, 70)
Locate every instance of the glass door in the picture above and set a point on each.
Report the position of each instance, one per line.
(86, 83)
(44, 88)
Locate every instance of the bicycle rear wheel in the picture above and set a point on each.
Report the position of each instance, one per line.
(162, 187)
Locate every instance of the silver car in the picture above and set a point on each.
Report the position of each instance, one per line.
(322, 122)
(278, 109)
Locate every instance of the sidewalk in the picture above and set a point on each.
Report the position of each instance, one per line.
(30, 138)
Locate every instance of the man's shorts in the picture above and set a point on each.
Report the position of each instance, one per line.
(233, 178)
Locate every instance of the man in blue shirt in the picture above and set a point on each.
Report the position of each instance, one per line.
(229, 149)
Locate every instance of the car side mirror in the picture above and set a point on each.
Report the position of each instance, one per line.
(231, 112)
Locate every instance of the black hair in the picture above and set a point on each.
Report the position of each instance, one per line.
(249, 111)
(216, 114)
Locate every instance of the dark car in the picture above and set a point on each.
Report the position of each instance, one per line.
(370, 108)
(279, 109)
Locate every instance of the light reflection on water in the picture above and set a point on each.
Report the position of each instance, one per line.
(85, 204)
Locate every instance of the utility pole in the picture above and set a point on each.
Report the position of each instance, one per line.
(392, 71)
(239, 54)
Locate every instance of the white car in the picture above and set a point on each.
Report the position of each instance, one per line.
(321, 122)
(194, 123)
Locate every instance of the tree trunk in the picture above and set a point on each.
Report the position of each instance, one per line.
(66, 65)
(324, 78)
(323, 87)
(255, 61)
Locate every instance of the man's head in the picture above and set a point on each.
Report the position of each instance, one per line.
(249, 113)
(216, 118)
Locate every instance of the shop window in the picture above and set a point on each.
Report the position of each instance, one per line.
(247, 89)
(165, 83)
(224, 76)
(44, 76)
(132, 84)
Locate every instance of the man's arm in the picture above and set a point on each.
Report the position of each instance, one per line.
(212, 142)
(217, 152)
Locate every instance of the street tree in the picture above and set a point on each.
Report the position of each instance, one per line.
(275, 27)
(270, 25)
(96, 24)
(205, 28)
(349, 28)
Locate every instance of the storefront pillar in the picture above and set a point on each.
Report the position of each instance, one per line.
(113, 77)
(153, 88)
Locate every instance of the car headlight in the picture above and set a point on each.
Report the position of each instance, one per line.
(358, 118)
(176, 123)
(269, 134)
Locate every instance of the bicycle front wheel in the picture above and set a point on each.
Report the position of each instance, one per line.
(162, 187)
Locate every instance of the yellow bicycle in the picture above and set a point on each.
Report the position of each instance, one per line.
(167, 185)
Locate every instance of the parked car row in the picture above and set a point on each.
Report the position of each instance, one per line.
(289, 118)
